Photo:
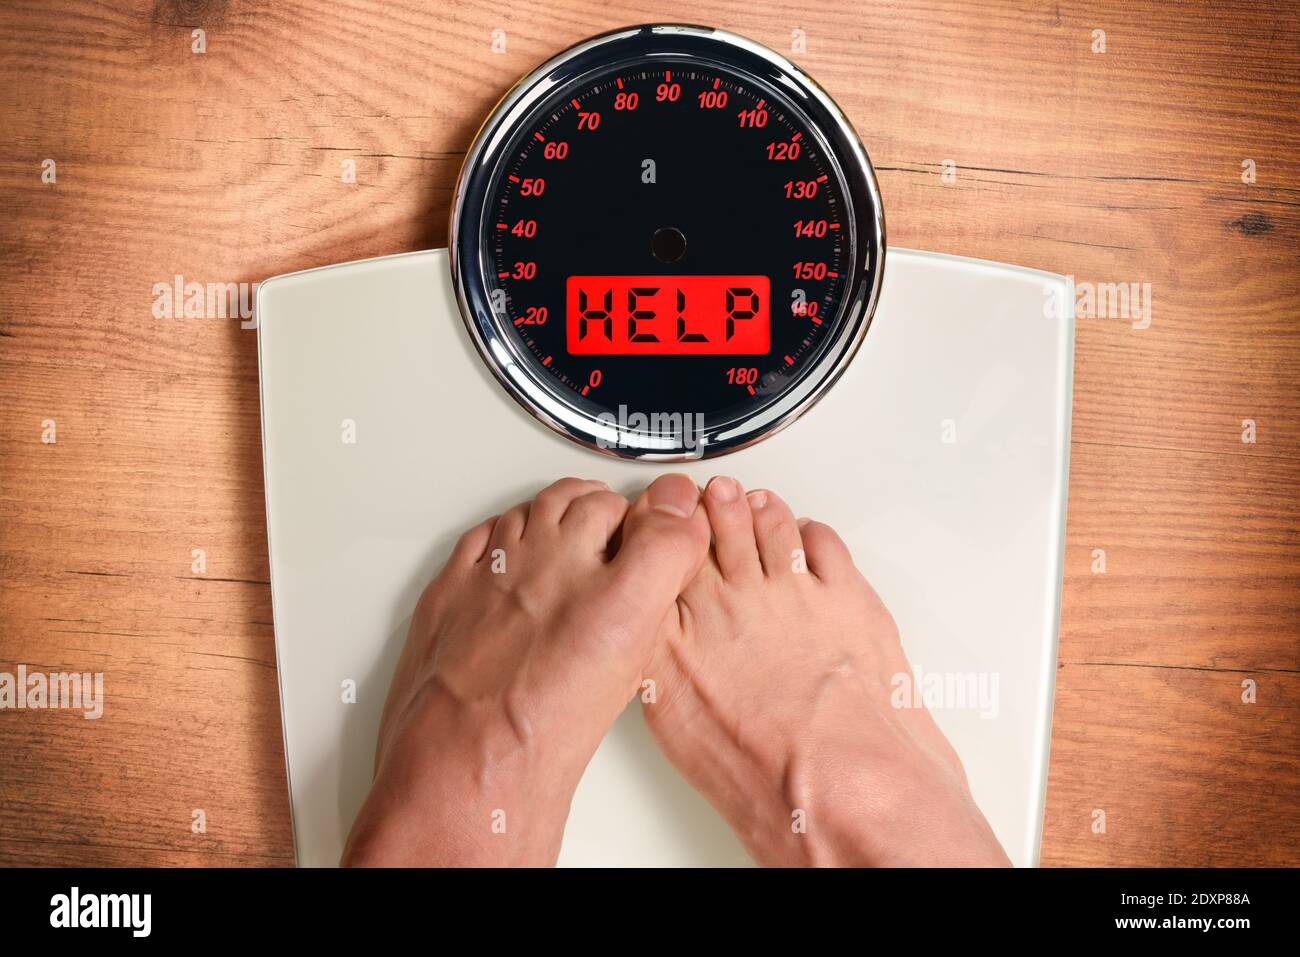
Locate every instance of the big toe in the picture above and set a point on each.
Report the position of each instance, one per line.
(665, 540)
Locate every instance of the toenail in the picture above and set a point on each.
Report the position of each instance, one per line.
(757, 499)
(803, 521)
(675, 494)
(723, 489)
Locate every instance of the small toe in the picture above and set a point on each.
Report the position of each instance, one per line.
(733, 528)
(552, 502)
(828, 557)
(780, 546)
(509, 528)
(596, 516)
(473, 545)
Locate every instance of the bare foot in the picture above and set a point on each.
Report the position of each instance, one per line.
(521, 653)
(773, 699)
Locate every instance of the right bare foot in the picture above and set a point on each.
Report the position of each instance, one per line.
(773, 699)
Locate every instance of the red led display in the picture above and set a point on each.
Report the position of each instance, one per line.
(667, 315)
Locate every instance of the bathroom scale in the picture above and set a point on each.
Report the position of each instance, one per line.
(668, 253)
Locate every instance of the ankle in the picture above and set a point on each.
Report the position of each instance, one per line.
(464, 785)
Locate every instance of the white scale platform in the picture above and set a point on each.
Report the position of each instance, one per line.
(962, 539)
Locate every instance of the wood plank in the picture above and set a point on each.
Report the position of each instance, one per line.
(1185, 772)
(1201, 560)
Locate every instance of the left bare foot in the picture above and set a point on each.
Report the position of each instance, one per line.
(521, 654)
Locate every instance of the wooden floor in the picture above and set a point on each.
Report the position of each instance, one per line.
(224, 166)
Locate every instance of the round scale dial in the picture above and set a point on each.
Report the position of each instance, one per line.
(667, 242)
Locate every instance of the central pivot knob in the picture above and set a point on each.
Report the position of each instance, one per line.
(668, 244)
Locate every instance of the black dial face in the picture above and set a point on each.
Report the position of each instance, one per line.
(667, 244)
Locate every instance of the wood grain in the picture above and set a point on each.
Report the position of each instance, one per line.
(224, 166)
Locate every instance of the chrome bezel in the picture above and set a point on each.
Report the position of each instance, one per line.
(547, 402)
